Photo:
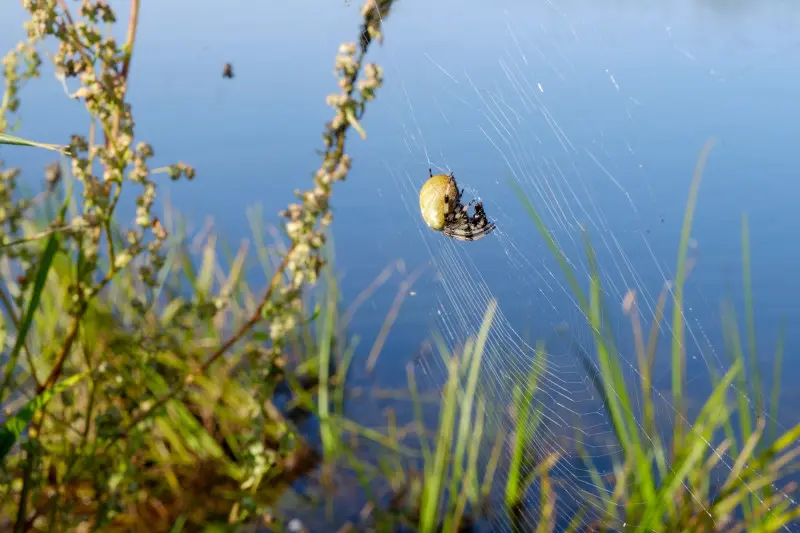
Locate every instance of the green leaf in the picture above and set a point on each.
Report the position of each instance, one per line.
(351, 118)
(15, 425)
(19, 141)
(38, 287)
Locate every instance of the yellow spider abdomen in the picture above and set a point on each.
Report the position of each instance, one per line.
(432, 203)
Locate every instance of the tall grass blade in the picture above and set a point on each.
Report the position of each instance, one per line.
(750, 317)
(45, 263)
(432, 492)
(526, 422)
(776, 387)
(626, 433)
(553, 246)
(734, 344)
(329, 441)
(416, 405)
(619, 406)
(678, 350)
(465, 427)
(13, 427)
(692, 450)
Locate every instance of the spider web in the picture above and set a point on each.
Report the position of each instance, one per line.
(532, 95)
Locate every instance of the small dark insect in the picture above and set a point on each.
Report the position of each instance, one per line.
(227, 71)
(442, 210)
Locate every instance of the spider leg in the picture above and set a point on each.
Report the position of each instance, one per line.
(479, 218)
(461, 234)
(430, 171)
(472, 233)
(463, 227)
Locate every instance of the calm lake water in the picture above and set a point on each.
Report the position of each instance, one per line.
(598, 110)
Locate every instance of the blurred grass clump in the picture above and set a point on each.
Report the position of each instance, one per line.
(147, 386)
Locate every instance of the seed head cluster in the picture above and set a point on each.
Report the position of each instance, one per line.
(308, 219)
(104, 162)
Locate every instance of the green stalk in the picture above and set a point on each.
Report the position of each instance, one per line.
(678, 352)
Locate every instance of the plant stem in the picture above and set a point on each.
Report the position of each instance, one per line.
(58, 366)
(19, 526)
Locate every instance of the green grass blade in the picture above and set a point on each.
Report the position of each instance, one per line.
(596, 496)
(177, 526)
(491, 467)
(525, 426)
(617, 401)
(465, 428)
(622, 433)
(19, 141)
(678, 354)
(45, 263)
(620, 406)
(553, 246)
(776, 522)
(576, 521)
(765, 459)
(709, 420)
(328, 329)
(750, 316)
(776, 386)
(734, 345)
(418, 418)
(435, 473)
(16, 424)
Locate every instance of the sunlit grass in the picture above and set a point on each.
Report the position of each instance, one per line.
(681, 498)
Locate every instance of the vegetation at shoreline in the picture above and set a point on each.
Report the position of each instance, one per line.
(147, 386)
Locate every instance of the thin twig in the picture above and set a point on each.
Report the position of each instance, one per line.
(37, 236)
(130, 40)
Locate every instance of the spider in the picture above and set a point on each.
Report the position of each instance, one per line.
(442, 210)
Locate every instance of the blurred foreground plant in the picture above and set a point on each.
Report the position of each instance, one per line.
(83, 294)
